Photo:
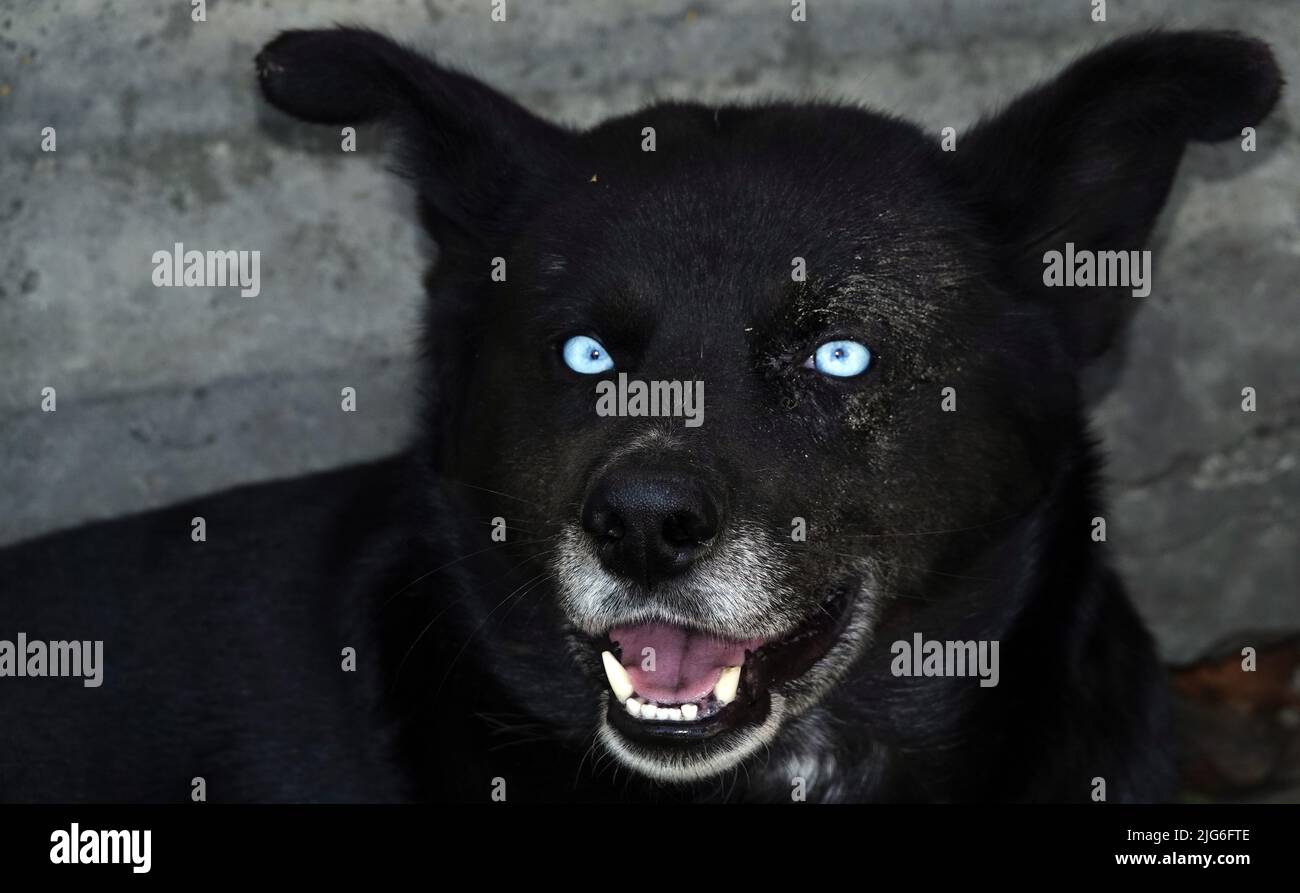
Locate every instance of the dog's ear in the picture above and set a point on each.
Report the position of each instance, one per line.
(1089, 157)
(470, 151)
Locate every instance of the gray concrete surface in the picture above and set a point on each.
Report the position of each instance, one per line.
(168, 393)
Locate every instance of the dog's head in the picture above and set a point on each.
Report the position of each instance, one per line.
(861, 382)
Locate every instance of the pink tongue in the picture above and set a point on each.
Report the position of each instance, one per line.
(686, 664)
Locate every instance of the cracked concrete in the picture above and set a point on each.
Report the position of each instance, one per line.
(164, 394)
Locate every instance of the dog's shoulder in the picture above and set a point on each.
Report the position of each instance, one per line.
(236, 656)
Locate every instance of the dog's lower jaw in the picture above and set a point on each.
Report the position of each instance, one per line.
(801, 761)
(670, 767)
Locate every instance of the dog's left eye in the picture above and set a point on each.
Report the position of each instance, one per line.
(586, 355)
(840, 359)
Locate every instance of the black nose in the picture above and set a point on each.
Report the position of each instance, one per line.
(649, 525)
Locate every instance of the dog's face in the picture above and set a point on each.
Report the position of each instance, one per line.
(766, 534)
(857, 309)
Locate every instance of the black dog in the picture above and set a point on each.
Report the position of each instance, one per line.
(728, 605)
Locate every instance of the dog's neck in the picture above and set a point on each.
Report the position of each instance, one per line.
(896, 738)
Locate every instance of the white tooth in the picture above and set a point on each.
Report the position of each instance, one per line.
(619, 681)
(634, 706)
(728, 682)
(647, 711)
(675, 714)
(661, 713)
(690, 711)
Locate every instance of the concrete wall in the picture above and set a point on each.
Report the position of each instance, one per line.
(168, 393)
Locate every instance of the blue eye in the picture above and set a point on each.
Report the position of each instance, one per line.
(840, 359)
(586, 356)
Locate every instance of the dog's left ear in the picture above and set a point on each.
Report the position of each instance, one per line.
(1089, 157)
(471, 152)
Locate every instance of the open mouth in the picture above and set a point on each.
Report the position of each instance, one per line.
(673, 684)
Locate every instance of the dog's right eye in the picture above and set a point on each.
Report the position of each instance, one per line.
(586, 355)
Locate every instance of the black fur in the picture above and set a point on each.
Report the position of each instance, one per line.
(223, 657)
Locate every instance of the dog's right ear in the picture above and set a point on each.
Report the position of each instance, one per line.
(471, 151)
